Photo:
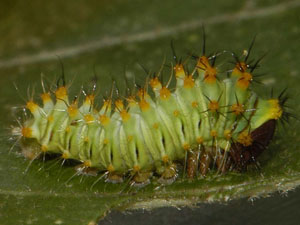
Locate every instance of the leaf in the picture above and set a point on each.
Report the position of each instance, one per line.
(111, 36)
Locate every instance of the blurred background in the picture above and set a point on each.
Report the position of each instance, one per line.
(111, 38)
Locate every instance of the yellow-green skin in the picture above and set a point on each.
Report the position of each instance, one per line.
(150, 136)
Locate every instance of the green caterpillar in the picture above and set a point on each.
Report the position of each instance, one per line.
(204, 123)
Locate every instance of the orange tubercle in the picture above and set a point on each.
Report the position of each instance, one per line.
(46, 97)
(31, 106)
(131, 101)
(239, 69)
(188, 82)
(27, 132)
(227, 134)
(142, 93)
(179, 71)
(276, 110)
(155, 83)
(124, 115)
(68, 129)
(87, 163)
(244, 81)
(237, 109)
(210, 75)
(176, 113)
(186, 146)
(165, 93)
(155, 125)
(203, 63)
(199, 140)
(194, 104)
(129, 138)
(44, 148)
(89, 99)
(105, 141)
(65, 155)
(61, 92)
(50, 118)
(110, 168)
(73, 110)
(106, 104)
(144, 105)
(104, 120)
(86, 139)
(213, 106)
(136, 168)
(213, 133)
(89, 118)
(245, 138)
(119, 104)
(165, 158)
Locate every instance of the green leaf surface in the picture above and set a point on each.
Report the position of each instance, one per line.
(112, 35)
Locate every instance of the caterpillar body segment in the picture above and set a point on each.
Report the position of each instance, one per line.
(205, 123)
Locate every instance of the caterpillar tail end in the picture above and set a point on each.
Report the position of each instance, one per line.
(30, 147)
